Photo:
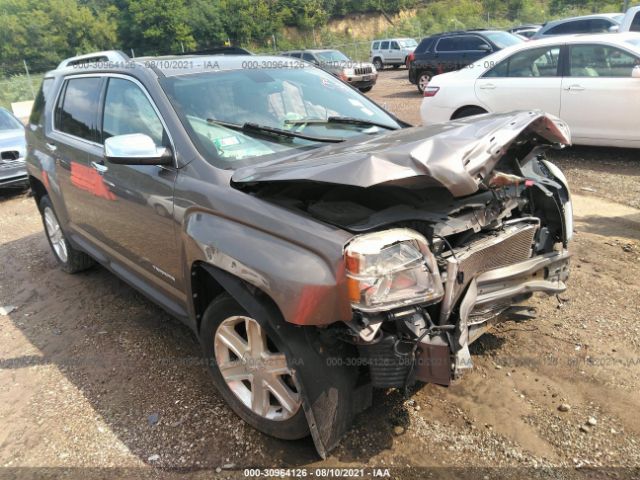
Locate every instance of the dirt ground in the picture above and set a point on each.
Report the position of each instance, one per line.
(97, 382)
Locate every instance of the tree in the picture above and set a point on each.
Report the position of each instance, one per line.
(156, 26)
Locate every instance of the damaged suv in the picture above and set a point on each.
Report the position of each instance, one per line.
(318, 246)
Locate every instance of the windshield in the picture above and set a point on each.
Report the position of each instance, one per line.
(305, 102)
(8, 121)
(332, 56)
(503, 39)
(408, 43)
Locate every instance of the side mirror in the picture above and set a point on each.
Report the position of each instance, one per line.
(484, 47)
(614, 28)
(635, 73)
(136, 149)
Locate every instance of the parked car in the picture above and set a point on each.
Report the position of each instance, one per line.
(631, 20)
(317, 246)
(391, 51)
(595, 89)
(599, 23)
(526, 31)
(451, 51)
(361, 75)
(13, 170)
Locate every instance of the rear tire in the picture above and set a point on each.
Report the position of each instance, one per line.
(228, 339)
(70, 259)
(423, 80)
(377, 62)
(468, 112)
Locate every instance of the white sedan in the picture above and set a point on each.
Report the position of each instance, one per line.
(592, 82)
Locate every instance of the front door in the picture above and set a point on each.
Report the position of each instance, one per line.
(527, 79)
(600, 98)
(134, 221)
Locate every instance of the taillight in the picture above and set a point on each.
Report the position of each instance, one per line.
(431, 91)
(411, 57)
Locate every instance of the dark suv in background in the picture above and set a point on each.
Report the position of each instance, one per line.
(446, 52)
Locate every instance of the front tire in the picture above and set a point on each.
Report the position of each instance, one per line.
(366, 89)
(70, 259)
(377, 62)
(251, 371)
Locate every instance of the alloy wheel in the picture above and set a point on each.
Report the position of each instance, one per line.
(423, 81)
(54, 232)
(254, 370)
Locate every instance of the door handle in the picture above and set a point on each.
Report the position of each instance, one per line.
(487, 86)
(51, 146)
(575, 88)
(99, 167)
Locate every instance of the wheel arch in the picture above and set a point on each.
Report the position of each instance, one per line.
(458, 111)
(38, 189)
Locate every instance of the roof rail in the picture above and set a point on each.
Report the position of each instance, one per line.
(95, 57)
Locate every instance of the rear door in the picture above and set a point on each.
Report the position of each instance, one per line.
(527, 79)
(600, 99)
(74, 135)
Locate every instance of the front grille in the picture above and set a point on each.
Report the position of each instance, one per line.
(507, 247)
(10, 155)
(363, 70)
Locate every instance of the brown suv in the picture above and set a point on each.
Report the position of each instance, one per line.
(316, 245)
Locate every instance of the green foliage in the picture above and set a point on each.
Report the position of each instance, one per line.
(156, 26)
(17, 88)
(43, 32)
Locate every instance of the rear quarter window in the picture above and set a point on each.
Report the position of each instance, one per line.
(40, 103)
(424, 45)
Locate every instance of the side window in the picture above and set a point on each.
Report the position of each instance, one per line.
(577, 26)
(537, 62)
(128, 110)
(309, 58)
(384, 46)
(447, 44)
(40, 103)
(296, 55)
(395, 46)
(600, 61)
(635, 23)
(472, 43)
(375, 45)
(76, 113)
(424, 45)
(599, 25)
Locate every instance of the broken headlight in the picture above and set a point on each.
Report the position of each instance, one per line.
(390, 269)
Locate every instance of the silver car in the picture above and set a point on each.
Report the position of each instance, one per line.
(13, 170)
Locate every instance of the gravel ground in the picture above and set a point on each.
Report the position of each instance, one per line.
(96, 382)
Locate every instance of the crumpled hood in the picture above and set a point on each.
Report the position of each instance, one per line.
(457, 154)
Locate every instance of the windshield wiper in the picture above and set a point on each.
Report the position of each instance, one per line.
(345, 120)
(265, 130)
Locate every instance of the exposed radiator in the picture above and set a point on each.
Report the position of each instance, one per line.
(506, 247)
